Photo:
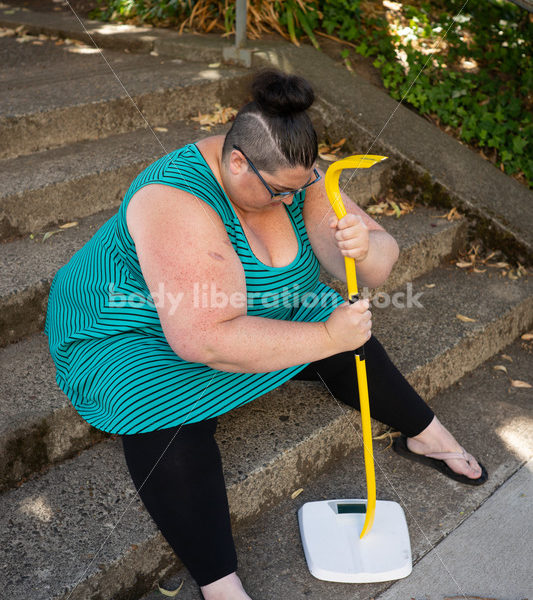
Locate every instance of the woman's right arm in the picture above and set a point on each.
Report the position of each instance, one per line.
(184, 250)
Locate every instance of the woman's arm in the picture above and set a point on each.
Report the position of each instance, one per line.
(182, 246)
(357, 235)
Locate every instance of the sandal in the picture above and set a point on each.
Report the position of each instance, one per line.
(436, 460)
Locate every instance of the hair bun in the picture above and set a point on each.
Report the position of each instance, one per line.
(280, 94)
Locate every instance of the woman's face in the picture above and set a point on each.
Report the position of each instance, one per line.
(246, 189)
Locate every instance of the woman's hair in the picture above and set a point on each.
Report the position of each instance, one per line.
(273, 130)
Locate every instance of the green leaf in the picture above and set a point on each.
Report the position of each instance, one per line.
(519, 144)
(305, 26)
(290, 26)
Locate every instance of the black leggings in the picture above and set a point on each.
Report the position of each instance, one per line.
(185, 492)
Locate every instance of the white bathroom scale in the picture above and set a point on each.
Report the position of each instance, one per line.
(330, 532)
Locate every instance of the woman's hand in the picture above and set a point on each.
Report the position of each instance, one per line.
(350, 325)
(351, 236)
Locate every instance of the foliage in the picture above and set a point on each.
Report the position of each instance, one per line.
(470, 71)
(476, 83)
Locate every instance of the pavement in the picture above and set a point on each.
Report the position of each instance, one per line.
(487, 556)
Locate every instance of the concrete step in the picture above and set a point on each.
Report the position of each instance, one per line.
(82, 178)
(428, 343)
(502, 526)
(490, 419)
(67, 94)
(29, 265)
(79, 532)
(193, 47)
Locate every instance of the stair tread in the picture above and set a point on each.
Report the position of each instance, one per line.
(55, 77)
(43, 60)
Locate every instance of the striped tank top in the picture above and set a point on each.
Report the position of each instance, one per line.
(105, 337)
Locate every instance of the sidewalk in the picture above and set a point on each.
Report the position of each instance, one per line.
(486, 557)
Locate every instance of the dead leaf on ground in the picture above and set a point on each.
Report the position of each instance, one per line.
(327, 157)
(329, 152)
(387, 435)
(452, 215)
(465, 319)
(506, 357)
(500, 368)
(68, 225)
(220, 116)
(430, 285)
(520, 384)
(391, 208)
(527, 337)
(296, 493)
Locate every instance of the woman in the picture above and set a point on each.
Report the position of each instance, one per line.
(202, 294)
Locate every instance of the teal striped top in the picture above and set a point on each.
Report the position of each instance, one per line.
(105, 337)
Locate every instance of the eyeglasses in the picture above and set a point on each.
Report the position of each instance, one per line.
(273, 194)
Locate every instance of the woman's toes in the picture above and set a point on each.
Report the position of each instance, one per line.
(468, 467)
(474, 467)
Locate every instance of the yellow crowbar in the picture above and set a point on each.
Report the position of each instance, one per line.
(358, 161)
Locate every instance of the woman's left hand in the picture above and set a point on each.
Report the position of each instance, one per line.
(351, 236)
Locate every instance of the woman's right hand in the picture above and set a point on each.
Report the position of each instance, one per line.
(350, 325)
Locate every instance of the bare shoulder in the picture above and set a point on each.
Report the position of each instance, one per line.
(165, 206)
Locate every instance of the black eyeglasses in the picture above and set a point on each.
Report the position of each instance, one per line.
(273, 195)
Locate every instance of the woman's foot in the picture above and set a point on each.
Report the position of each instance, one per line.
(435, 439)
(226, 588)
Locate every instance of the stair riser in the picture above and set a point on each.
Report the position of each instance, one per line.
(53, 128)
(57, 438)
(23, 313)
(426, 255)
(132, 577)
(415, 261)
(472, 351)
(43, 209)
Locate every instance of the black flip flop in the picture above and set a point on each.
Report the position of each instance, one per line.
(400, 446)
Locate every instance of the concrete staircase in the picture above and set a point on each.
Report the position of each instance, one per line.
(72, 139)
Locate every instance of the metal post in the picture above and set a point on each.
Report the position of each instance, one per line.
(238, 53)
(240, 23)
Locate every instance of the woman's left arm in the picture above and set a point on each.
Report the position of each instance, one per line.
(357, 235)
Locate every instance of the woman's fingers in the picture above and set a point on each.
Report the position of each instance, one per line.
(351, 236)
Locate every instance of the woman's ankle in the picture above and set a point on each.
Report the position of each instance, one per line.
(434, 438)
(228, 587)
